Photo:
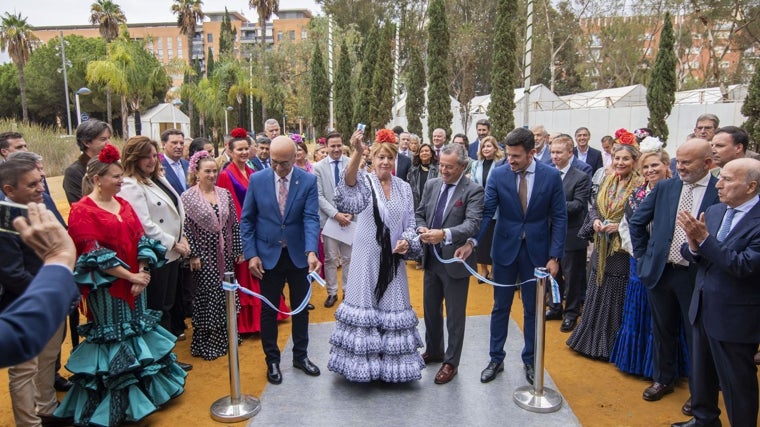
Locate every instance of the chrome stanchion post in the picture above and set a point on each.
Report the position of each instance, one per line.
(536, 398)
(235, 407)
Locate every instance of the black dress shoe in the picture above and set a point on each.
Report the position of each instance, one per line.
(567, 325)
(490, 372)
(686, 408)
(552, 314)
(310, 306)
(696, 423)
(185, 366)
(61, 383)
(274, 375)
(530, 373)
(306, 366)
(330, 301)
(53, 421)
(656, 391)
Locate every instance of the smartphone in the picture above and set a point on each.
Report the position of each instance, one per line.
(8, 212)
(361, 126)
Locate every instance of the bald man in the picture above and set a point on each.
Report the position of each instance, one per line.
(669, 277)
(279, 227)
(724, 244)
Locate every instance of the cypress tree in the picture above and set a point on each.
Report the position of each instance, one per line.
(226, 35)
(382, 80)
(364, 98)
(751, 109)
(209, 63)
(439, 104)
(504, 73)
(343, 90)
(320, 91)
(662, 86)
(415, 91)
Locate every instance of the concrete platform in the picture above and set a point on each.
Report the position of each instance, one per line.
(330, 400)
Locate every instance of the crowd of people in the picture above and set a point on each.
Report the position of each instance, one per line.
(657, 259)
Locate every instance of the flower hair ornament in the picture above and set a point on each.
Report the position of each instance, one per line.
(385, 135)
(624, 137)
(296, 138)
(641, 133)
(239, 133)
(322, 141)
(109, 154)
(651, 144)
(193, 166)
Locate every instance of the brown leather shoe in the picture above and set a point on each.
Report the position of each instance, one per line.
(445, 374)
(656, 391)
(686, 408)
(428, 358)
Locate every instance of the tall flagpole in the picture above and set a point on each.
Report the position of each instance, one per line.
(330, 71)
(528, 54)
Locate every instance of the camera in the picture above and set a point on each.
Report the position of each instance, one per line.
(361, 126)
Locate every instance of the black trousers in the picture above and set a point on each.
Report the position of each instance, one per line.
(162, 291)
(271, 287)
(572, 283)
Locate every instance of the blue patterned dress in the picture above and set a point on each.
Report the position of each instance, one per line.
(376, 340)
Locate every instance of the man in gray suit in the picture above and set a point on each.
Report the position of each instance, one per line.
(328, 172)
(449, 215)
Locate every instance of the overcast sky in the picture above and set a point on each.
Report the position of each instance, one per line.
(77, 12)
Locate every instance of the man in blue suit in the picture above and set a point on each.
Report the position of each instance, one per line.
(724, 243)
(483, 129)
(585, 153)
(175, 167)
(530, 232)
(666, 274)
(279, 228)
(543, 152)
(28, 323)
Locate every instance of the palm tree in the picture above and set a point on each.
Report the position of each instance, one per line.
(107, 15)
(16, 38)
(265, 9)
(188, 13)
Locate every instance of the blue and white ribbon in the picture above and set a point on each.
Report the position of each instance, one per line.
(313, 276)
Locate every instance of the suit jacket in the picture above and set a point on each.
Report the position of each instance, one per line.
(257, 164)
(30, 321)
(404, 164)
(473, 148)
(413, 177)
(652, 250)
(172, 177)
(263, 229)
(323, 170)
(727, 290)
(577, 188)
(544, 224)
(546, 158)
(593, 158)
(161, 220)
(462, 217)
(583, 166)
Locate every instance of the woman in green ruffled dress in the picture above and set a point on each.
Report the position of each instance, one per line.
(125, 369)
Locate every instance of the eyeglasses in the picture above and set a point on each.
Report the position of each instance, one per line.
(704, 128)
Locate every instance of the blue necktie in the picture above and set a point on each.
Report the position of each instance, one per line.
(726, 226)
(438, 215)
(336, 171)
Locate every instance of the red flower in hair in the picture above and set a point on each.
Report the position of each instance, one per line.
(109, 154)
(385, 135)
(322, 141)
(620, 132)
(627, 138)
(238, 133)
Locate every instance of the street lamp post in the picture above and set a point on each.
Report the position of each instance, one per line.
(175, 104)
(284, 119)
(82, 91)
(226, 124)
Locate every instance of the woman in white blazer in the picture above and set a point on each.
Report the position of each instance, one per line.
(160, 210)
(489, 155)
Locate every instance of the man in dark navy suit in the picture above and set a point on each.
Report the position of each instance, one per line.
(541, 136)
(666, 274)
(585, 153)
(175, 167)
(279, 228)
(483, 129)
(530, 232)
(724, 243)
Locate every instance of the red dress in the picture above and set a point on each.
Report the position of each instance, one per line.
(249, 317)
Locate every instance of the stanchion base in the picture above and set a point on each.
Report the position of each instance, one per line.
(526, 398)
(225, 411)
